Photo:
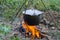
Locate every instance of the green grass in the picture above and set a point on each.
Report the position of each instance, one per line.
(48, 4)
(5, 29)
(10, 7)
(14, 38)
(58, 35)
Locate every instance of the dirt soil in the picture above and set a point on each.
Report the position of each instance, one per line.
(16, 24)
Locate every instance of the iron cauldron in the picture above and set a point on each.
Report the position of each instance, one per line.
(32, 16)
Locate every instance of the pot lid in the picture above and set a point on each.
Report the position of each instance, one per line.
(32, 12)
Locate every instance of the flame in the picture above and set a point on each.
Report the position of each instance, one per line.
(32, 29)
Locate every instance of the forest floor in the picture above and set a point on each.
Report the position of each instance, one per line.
(16, 24)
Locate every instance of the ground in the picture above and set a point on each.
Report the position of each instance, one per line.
(15, 32)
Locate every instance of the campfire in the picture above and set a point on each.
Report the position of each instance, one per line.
(31, 18)
(32, 29)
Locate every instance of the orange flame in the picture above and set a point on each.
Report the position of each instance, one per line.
(32, 29)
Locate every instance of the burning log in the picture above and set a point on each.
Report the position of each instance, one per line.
(35, 33)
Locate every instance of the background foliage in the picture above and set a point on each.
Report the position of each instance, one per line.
(8, 8)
